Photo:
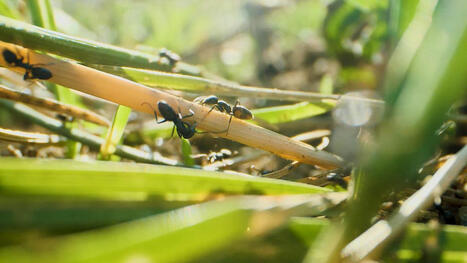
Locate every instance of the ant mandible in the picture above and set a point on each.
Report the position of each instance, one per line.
(238, 111)
(32, 72)
(184, 129)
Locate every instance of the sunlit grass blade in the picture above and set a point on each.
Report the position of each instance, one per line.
(288, 113)
(196, 230)
(114, 134)
(63, 177)
(186, 152)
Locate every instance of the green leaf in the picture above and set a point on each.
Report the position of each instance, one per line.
(176, 236)
(114, 134)
(288, 113)
(186, 152)
(111, 179)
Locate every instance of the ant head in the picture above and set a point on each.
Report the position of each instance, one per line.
(242, 113)
(9, 56)
(185, 130)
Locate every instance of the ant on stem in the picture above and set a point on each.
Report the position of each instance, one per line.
(32, 71)
(237, 111)
(184, 129)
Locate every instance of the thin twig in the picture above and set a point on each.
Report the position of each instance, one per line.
(28, 137)
(53, 105)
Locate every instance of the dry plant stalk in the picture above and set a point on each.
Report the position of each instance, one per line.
(131, 94)
(53, 105)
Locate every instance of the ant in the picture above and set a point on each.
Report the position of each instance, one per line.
(237, 111)
(171, 56)
(32, 72)
(338, 179)
(184, 129)
(215, 102)
(219, 156)
(213, 157)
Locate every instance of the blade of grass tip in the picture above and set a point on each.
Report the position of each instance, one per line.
(114, 134)
(196, 230)
(186, 153)
(114, 179)
(326, 85)
(42, 15)
(134, 95)
(84, 50)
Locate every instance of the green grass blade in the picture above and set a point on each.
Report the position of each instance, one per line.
(288, 113)
(66, 177)
(114, 134)
(186, 152)
(87, 51)
(196, 230)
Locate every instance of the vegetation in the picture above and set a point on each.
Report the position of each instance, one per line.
(356, 149)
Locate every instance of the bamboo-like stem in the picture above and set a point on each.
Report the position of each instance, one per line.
(134, 95)
(53, 105)
(91, 140)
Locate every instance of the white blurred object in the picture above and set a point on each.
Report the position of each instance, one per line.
(355, 112)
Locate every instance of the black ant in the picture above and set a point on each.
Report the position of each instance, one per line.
(219, 156)
(171, 56)
(215, 102)
(338, 179)
(184, 129)
(215, 156)
(237, 111)
(32, 72)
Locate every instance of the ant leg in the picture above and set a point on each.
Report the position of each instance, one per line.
(228, 127)
(155, 113)
(189, 115)
(173, 130)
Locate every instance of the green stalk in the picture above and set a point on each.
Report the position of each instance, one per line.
(84, 50)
